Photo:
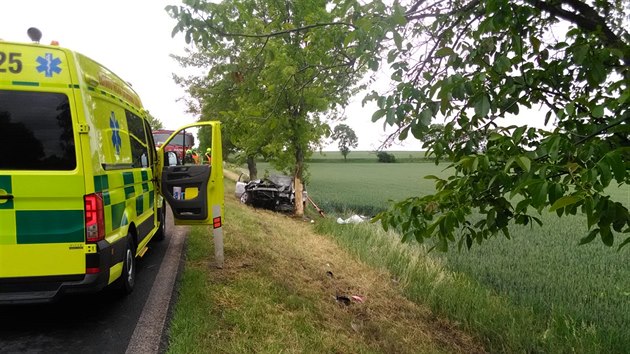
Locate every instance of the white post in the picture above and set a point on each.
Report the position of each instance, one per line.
(217, 235)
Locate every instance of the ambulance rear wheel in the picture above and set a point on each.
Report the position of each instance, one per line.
(160, 234)
(127, 279)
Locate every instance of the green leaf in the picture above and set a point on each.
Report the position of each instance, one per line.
(175, 31)
(625, 242)
(442, 244)
(399, 18)
(518, 45)
(494, 136)
(541, 197)
(564, 201)
(607, 236)
(390, 116)
(503, 64)
(398, 40)
(535, 43)
(518, 134)
(554, 147)
(378, 114)
(506, 232)
(579, 54)
(391, 56)
(597, 73)
(591, 214)
(522, 206)
(403, 134)
(350, 38)
(443, 52)
(524, 162)
(425, 117)
(605, 176)
(617, 165)
(482, 106)
(547, 116)
(373, 64)
(597, 111)
(590, 237)
(445, 104)
(417, 131)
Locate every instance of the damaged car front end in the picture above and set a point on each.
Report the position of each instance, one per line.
(274, 193)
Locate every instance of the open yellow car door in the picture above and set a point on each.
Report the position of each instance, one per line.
(194, 191)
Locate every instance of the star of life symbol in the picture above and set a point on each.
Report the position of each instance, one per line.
(116, 141)
(48, 65)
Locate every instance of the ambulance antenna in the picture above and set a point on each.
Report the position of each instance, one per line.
(34, 34)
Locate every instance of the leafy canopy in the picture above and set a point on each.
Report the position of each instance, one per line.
(470, 63)
(282, 68)
(466, 64)
(154, 122)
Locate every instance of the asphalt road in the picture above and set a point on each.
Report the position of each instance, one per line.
(101, 322)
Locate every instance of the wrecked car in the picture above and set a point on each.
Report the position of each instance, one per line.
(274, 193)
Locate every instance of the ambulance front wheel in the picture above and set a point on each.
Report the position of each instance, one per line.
(127, 279)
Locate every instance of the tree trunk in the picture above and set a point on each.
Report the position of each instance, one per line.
(251, 166)
(297, 183)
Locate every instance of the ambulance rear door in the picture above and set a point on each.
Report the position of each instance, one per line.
(42, 224)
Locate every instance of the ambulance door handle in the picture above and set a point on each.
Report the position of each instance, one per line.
(6, 196)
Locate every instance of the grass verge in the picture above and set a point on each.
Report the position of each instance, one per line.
(277, 293)
(499, 324)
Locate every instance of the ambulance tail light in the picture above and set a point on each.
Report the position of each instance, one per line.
(94, 218)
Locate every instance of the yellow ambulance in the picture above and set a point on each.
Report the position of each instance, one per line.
(82, 186)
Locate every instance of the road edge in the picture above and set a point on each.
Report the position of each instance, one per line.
(147, 335)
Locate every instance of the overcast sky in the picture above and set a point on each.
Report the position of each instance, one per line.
(133, 39)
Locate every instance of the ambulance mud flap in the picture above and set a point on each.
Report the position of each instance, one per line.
(177, 181)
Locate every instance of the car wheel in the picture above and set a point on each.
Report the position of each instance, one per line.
(127, 279)
(246, 198)
(160, 234)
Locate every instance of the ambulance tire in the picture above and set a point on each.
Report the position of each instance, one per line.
(127, 280)
(160, 234)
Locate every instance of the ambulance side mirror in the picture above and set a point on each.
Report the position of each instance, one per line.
(170, 157)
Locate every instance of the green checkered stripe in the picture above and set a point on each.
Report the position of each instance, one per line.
(37, 226)
(122, 190)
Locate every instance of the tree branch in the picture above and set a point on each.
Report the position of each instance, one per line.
(464, 8)
(589, 21)
(279, 33)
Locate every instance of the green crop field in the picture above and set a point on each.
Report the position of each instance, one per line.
(366, 188)
(540, 268)
(366, 156)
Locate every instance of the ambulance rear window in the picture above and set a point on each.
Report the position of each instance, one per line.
(36, 131)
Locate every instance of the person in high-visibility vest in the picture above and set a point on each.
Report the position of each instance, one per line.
(188, 158)
(209, 156)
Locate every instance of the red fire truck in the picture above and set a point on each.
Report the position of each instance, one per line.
(179, 144)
